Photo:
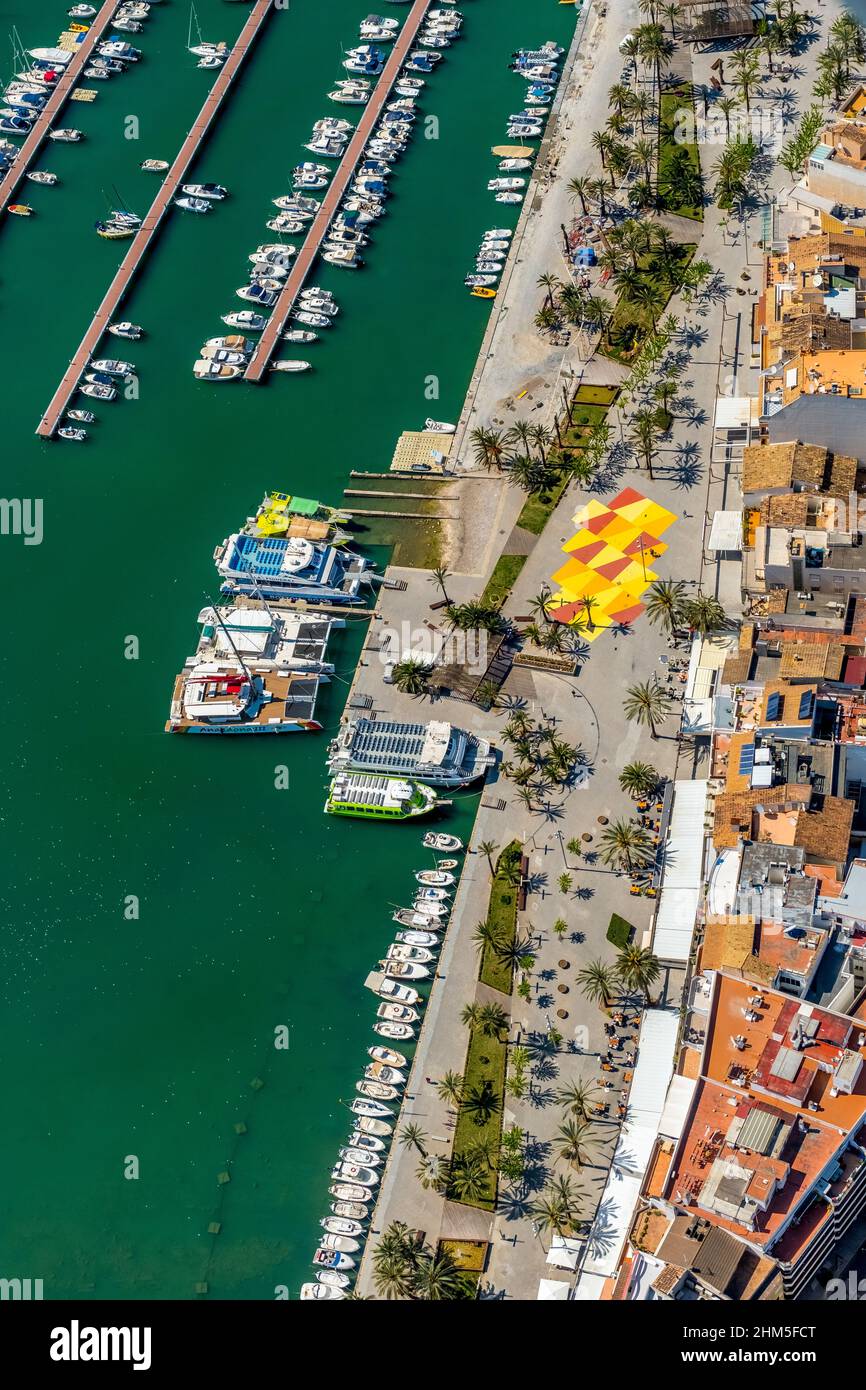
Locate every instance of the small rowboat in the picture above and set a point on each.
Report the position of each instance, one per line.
(154, 166)
(20, 210)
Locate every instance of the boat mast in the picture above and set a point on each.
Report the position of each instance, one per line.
(243, 665)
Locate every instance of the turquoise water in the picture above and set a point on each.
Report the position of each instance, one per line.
(142, 1037)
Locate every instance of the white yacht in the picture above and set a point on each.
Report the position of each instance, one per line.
(205, 370)
(245, 318)
(192, 204)
(213, 191)
(126, 330)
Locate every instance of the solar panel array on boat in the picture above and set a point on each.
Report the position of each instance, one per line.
(301, 697)
(311, 641)
(364, 791)
(386, 742)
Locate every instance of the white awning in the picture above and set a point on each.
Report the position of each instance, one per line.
(652, 1072)
(682, 872)
(726, 532)
(552, 1290)
(679, 1099)
(733, 413)
(564, 1252)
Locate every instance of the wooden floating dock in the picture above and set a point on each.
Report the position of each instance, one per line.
(413, 496)
(403, 516)
(303, 262)
(146, 233)
(55, 103)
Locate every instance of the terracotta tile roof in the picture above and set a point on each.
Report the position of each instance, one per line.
(728, 942)
(788, 509)
(734, 810)
(826, 834)
(736, 668)
(817, 660)
(789, 712)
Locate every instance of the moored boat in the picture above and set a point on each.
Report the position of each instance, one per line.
(434, 878)
(125, 329)
(341, 1226)
(320, 1291)
(438, 840)
(379, 798)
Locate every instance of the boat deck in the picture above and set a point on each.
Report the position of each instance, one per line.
(142, 241)
(344, 172)
(55, 103)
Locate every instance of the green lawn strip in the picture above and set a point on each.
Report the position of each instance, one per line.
(538, 506)
(671, 149)
(632, 322)
(502, 580)
(595, 395)
(502, 916)
(485, 1061)
(619, 931)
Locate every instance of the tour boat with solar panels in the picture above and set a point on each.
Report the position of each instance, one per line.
(379, 798)
(320, 1291)
(436, 752)
(341, 1226)
(289, 567)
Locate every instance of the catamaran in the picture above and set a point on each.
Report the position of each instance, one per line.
(379, 798)
(289, 567)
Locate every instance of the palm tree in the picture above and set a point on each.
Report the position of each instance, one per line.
(618, 96)
(640, 106)
(598, 983)
(623, 842)
(482, 1103)
(450, 1089)
(638, 779)
(484, 934)
(539, 604)
(587, 605)
(671, 12)
(546, 318)
(411, 676)
(665, 604)
(654, 49)
(747, 73)
(489, 447)
(470, 1015)
(579, 188)
(638, 968)
(438, 575)
(602, 142)
(647, 703)
(520, 434)
(412, 1136)
(549, 283)
(488, 848)
(550, 1214)
(728, 105)
(542, 438)
(572, 1146)
(643, 153)
(599, 188)
(576, 1097)
(561, 1188)
(646, 295)
(437, 1277)
(596, 312)
(644, 434)
(704, 614)
(432, 1172)
(392, 1275)
(493, 1020)
(469, 1178)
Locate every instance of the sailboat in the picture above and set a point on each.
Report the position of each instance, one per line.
(202, 49)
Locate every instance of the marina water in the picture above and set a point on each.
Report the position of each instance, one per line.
(165, 906)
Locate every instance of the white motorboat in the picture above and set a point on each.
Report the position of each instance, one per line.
(311, 320)
(439, 426)
(335, 124)
(273, 260)
(410, 955)
(296, 205)
(347, 96)
(154, 166)
(310, 167)
(84, 417)
(479, 281)
(376, 34)
(276, 250)
(118, 48)
(211, 61)
(360, 1156)
(498, 234)
(493, 249)
(434, 878)
(81, 12)
(414, 919)
(256, 295)
(338, 1240)
(523, 132)
(401, 994)
(231, 342)
(418, 938)
(66, 136)
(403, 970)
(396, 1032)
(353, 1211)
(193, 204)
(98, 392)
(271, 284)
(372, 1109)
(506, 164)
(432, 895)
(127, 26)
(344, 257)
(440, 841)
(370, 1124)
(209, 50)
(300, 335)
(310, 181)
(125, 329)
(72, 433)
(349, 1192)
(397, 1013)
(245, 318)
(505, 185)
(205, 370)
(341, 1226)
(41, 176)
(232, 359)
(290, 226)
(286, 364)
(333, 1279)
(376, 1090)
(325, 1258)
(360, 1173)
(345, 236)
(213, 191)
(388, 1056)
(112, 366)
(359, 1140)
(320, 1291)
(382, 1071)
(509, 197)
(488, 267)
